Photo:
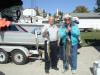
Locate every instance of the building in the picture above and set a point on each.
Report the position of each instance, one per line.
(41, 12)
(57, 12)
(88, 20)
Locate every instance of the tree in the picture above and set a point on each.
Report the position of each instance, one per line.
(98, 6)
(81, 9)
(49, 14)
(60, 13)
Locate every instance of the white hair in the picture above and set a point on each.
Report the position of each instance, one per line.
(67, 16)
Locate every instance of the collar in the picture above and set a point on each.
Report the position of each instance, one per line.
(52, 26)
(64, 25)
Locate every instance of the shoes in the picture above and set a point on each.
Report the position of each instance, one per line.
(73, 71)
(63, 70)
(55, 68)
(47, 71)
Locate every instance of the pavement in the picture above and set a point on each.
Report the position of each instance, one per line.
(86, 57)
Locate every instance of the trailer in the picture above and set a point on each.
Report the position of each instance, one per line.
(19, 43)
(88, 21)
(89, 24)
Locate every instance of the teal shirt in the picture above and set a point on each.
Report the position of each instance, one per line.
(62, 33)
(75, 32)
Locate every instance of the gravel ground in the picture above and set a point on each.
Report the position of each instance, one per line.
(86, 57)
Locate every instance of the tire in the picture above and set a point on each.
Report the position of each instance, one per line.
(19, 57)
(4, 57)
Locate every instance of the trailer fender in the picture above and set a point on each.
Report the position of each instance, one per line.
(12, 48)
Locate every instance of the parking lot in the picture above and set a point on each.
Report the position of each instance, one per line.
(86, 57)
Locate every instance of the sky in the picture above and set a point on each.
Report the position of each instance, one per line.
(66, 6)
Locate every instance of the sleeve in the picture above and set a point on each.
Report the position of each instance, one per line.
(57, 33)
(62, 33)
(75, 31)
(43, 29)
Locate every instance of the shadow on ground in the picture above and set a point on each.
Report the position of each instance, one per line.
(97, 48)
(1, 73)
(34, 59)
(91, 69)
(94, 43)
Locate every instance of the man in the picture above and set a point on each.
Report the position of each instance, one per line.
(50, 33)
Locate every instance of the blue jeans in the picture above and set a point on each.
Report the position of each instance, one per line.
(74, 56)
(65, 63)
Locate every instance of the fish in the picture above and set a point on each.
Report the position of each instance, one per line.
(68, 51)
(48, 49)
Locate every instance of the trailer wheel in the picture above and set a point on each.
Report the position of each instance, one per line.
(4, 57)
(19, 57)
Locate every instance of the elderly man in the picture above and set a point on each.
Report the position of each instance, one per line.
(69, 30)
(50, 33)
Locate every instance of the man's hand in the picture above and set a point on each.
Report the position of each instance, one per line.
(45, 32)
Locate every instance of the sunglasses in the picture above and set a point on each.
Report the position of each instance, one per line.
(67, 19)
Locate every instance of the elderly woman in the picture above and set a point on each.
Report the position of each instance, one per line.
(69, 30)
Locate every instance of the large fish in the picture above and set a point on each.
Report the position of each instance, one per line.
(68, 51)
(48, 49)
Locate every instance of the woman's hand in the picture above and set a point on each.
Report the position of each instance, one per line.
(69, 28)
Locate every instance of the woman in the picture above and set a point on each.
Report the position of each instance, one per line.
(69, 30)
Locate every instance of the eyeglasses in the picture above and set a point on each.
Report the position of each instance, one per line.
(67, 19)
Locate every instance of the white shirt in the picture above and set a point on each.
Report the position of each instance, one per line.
(52, 32)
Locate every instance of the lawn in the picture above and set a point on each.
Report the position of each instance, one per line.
(90, 38)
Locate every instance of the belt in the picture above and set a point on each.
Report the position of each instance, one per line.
(53, 41)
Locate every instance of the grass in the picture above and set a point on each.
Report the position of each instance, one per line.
(93, 36)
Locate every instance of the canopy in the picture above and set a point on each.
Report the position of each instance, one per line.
(8, 3)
